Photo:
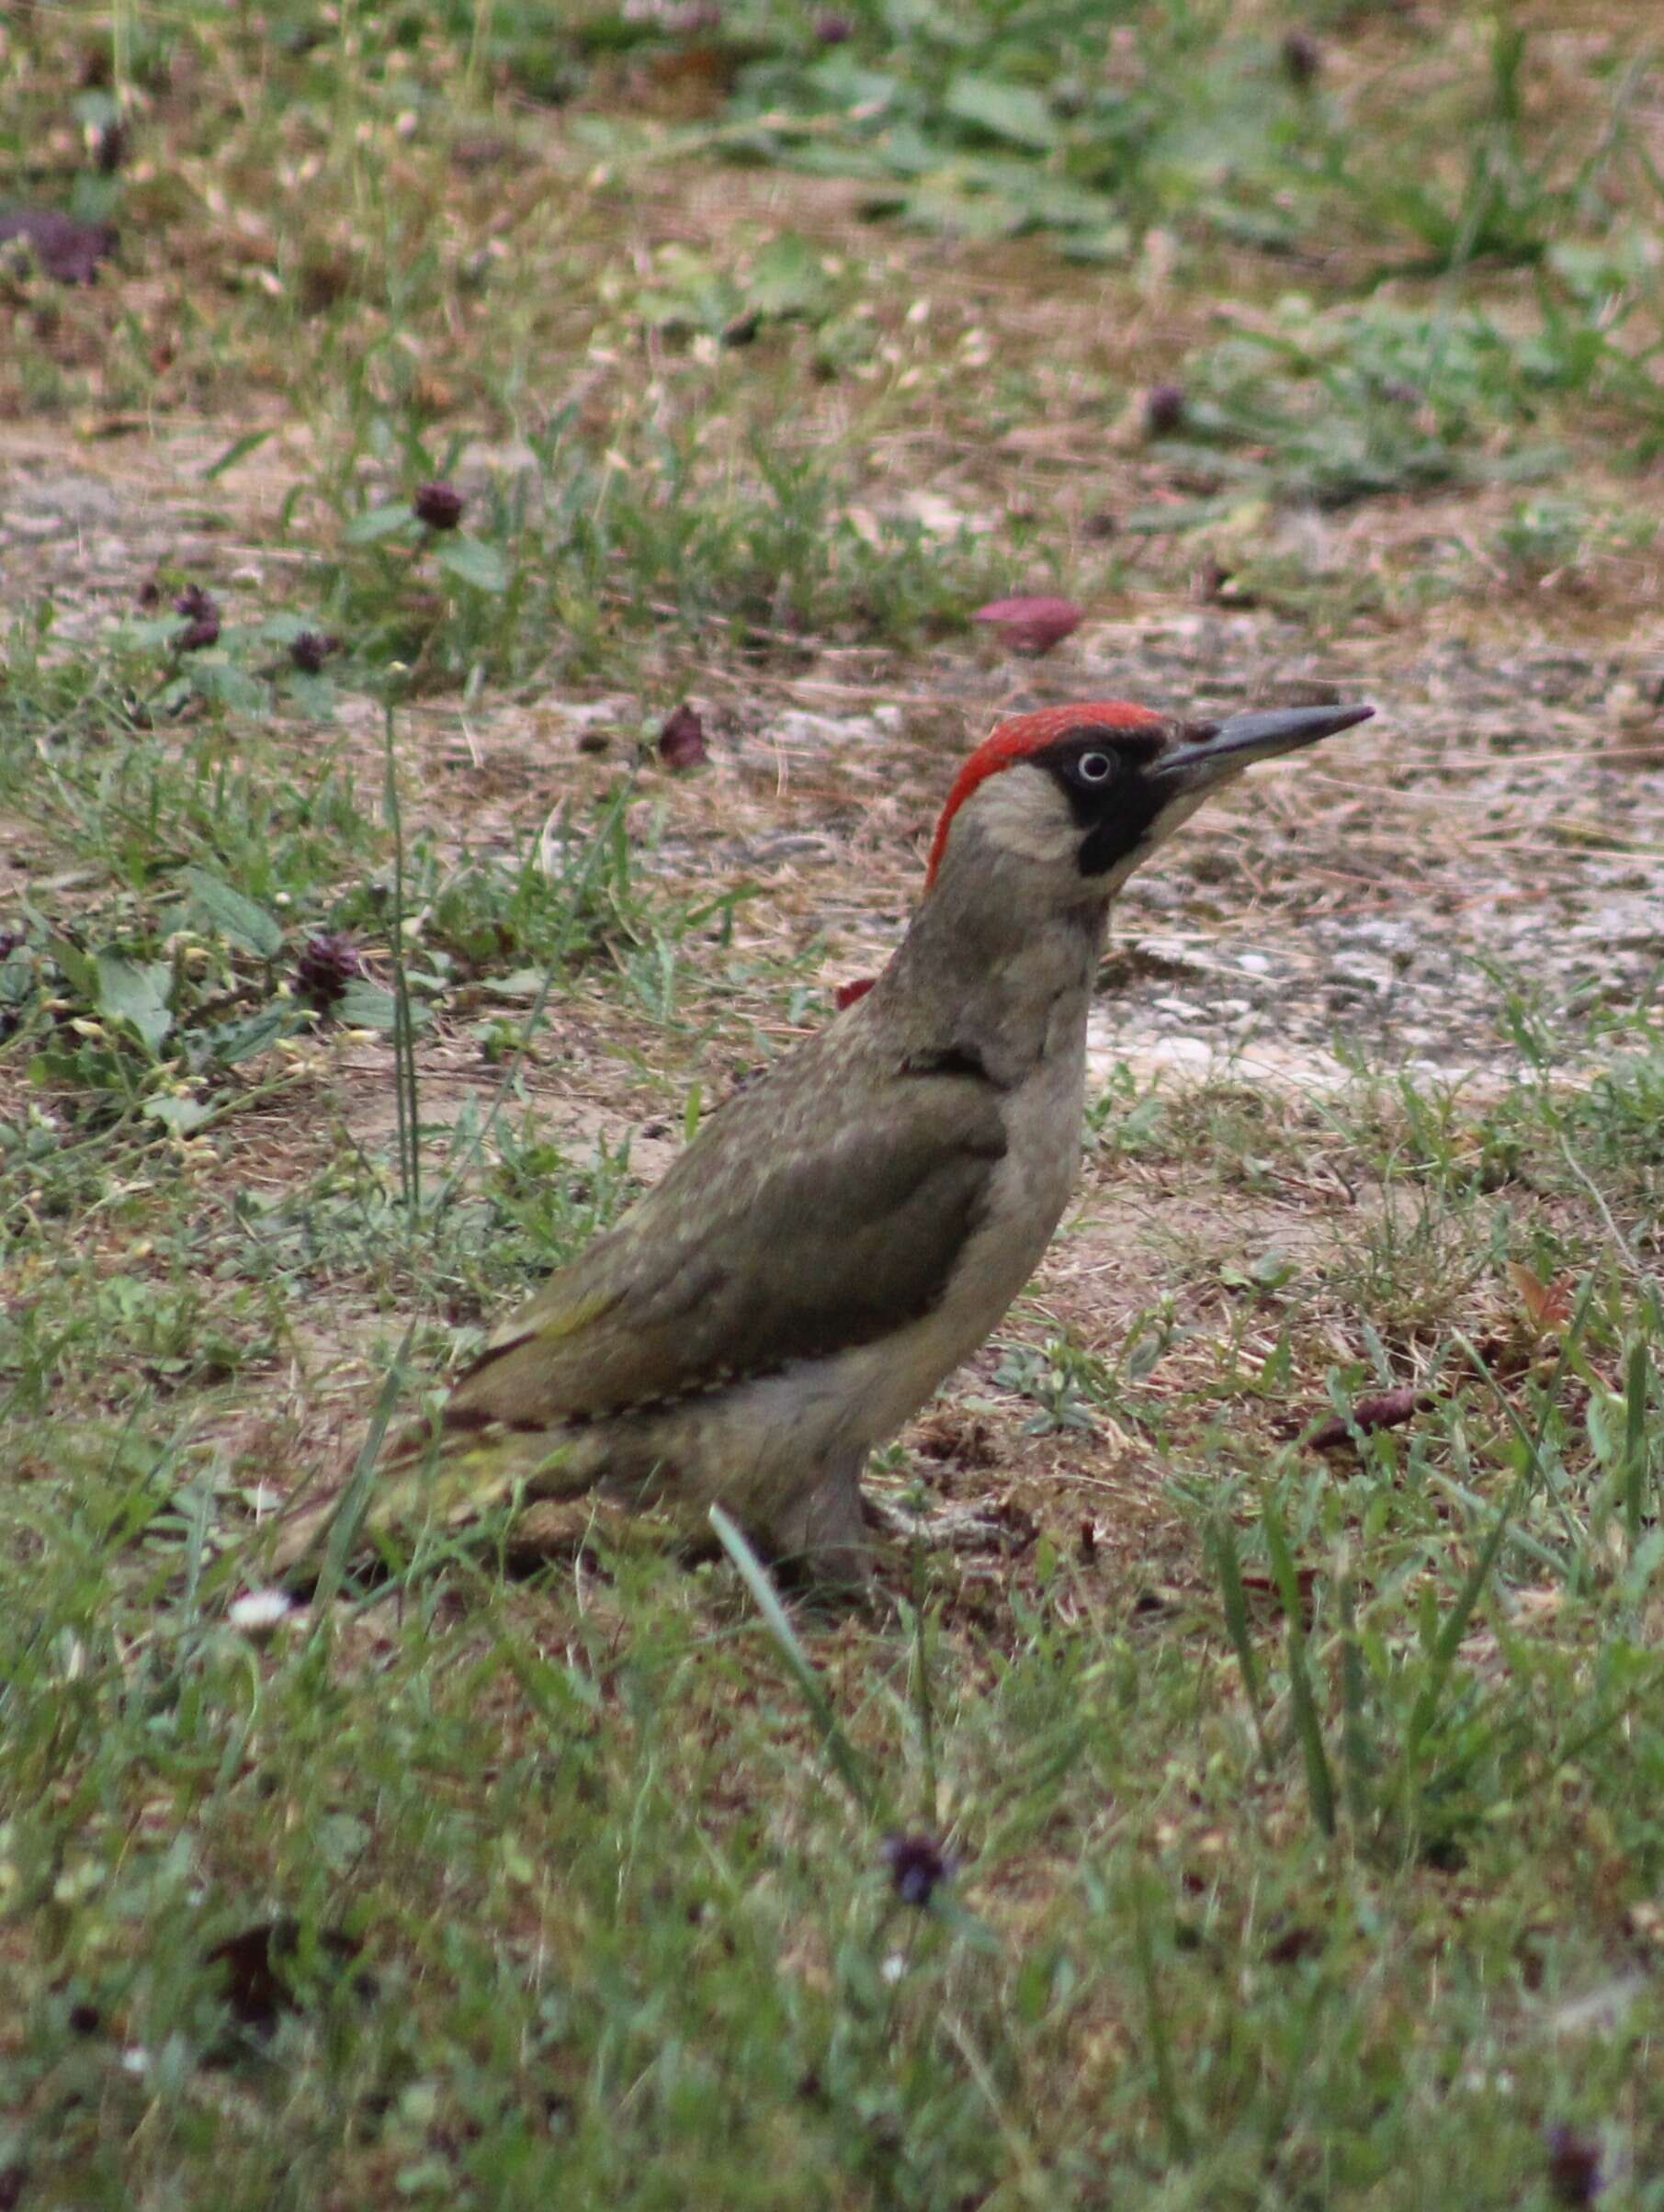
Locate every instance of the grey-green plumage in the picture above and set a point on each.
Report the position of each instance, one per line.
(850, 1227)
(784, 1233)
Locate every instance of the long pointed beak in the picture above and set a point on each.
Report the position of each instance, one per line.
(1260, 735)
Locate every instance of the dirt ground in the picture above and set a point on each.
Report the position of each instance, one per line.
(1504, 811)
(1499, 828)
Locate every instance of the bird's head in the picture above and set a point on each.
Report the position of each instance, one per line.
(1071, 799)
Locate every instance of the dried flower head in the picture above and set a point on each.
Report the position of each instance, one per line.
(439, 506)
(326, 965)
(1574, 2167)
(1302, 57)
(1164, 407)
(108, 146)
(1030, 624)
(682, 739)
(311, 649)
(918, 1864)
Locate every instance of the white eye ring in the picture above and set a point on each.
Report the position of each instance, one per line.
(1094, 768)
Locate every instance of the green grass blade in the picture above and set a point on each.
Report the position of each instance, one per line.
(354, 1499)
(1638, 1385)
(1174, 2122)
(1319, 1779)
(1229, 1565)
(1357, 1752)
(852, 1769)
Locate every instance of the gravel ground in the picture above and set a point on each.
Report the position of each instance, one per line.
(1499, 828)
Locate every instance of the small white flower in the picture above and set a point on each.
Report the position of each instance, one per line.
(258, 1612)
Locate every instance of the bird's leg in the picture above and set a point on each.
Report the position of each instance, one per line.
(821, 1532)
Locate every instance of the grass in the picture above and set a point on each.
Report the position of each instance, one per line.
(1232, 1818)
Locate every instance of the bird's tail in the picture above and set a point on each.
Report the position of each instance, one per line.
(430, 1477)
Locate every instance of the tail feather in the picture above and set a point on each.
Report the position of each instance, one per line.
(430, 1478)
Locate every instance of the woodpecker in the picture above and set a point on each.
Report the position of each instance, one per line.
(842, 1234)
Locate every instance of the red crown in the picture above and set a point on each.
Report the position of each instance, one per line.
(1022, 737)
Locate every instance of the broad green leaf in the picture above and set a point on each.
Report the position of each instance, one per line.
(225, 682)
(788, 278)
(180, 1115)
(523, 983)
(473, 563)
(1009, 111)
(1112, 244)
(235, 1042)
(314, 696)
(939, 204)
(379, 523)
(78, 971)
(237, 918)
(839, 80)
(136, 991)
(367, 1005)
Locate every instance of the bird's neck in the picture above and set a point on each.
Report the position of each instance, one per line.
(988, 981)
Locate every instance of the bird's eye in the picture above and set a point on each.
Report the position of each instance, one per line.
(1094, 768)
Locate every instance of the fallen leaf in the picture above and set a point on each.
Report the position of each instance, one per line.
(68, 251)
(1387, 1409)
(1547, 1304)
(1030, 624)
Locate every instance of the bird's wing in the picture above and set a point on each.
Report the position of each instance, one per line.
(791, 1229)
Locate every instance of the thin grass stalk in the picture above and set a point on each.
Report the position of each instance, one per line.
(1358, 1753)
(1319, 1778)
(406, 1083)
(1174, 2125)
(922, 1698)
(1637, 1387)
(1229, 1566)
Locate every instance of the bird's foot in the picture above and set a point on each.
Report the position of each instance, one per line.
(911, 1518)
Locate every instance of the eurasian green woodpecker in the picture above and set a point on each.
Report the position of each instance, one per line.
(846, 1230)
